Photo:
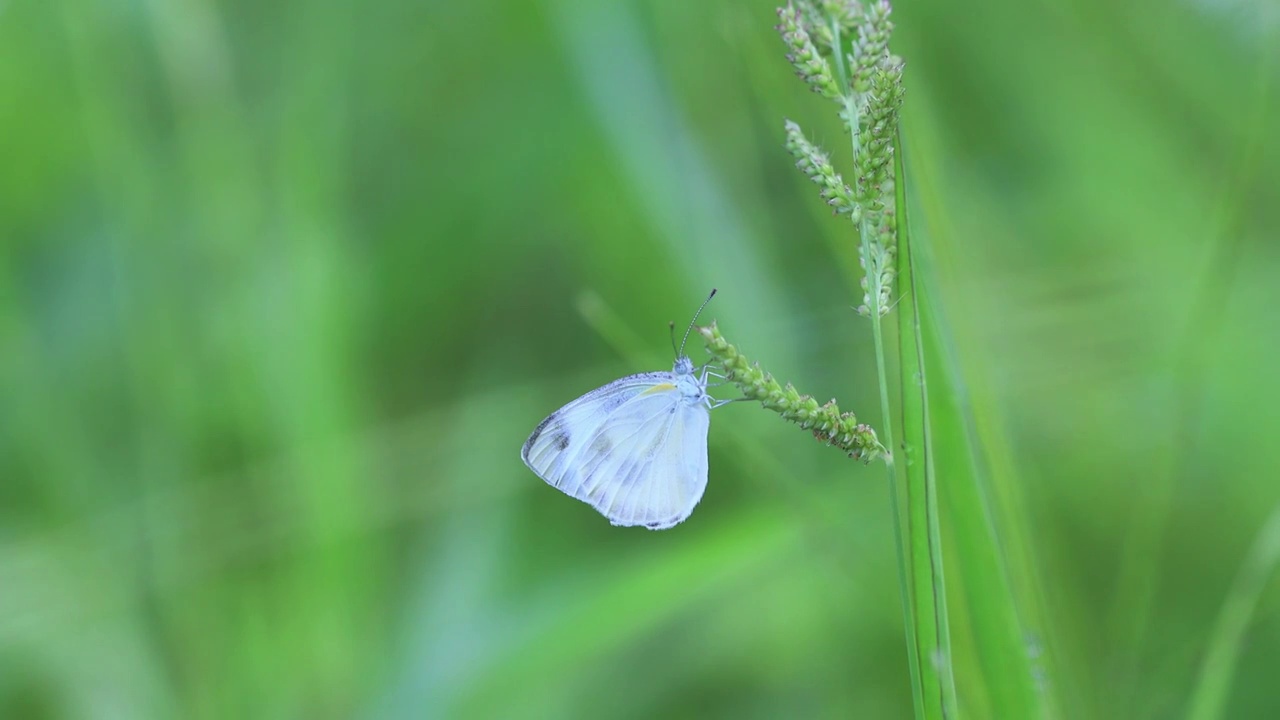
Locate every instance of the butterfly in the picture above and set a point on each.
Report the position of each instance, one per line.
(635, 449)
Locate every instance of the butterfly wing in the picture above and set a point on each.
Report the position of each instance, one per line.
(635, 450)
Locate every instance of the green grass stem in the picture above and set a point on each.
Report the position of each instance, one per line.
(1209, 698)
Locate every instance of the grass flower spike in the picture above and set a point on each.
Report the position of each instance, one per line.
(804, 55)
(845, 14)
(815, 164)
(875, 189)
(854, 68)
(851, 65)
(826, 422)
(871, 49)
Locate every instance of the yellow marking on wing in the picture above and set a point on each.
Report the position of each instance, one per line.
(660, 387)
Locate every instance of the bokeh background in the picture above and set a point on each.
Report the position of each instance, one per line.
(285, 285)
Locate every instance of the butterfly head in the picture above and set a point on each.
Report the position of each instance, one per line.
(683, 366)
(692, 387)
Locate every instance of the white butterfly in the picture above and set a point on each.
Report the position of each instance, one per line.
(635, 449)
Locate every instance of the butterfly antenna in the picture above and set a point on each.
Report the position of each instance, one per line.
(694, 320)
(671, 328)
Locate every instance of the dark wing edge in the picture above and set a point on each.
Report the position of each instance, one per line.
(639, 380)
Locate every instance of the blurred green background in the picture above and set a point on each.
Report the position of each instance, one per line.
(285, 285)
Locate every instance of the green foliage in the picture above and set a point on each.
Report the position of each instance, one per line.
(1218, 668)
(284, 287)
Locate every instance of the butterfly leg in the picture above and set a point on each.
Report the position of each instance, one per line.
(707, 372)
(712, 403)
